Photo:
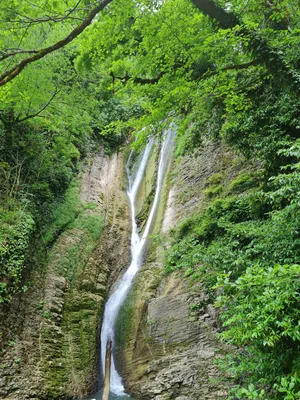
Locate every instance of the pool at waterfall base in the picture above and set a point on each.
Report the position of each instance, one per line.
(98, 396)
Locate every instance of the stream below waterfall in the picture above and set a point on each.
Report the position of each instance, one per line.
(98, 396)
(138, 243)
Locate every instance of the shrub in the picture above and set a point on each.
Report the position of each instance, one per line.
(246, 247)
(214, 179)
(213, 191)
(242, 182)
(16, 228)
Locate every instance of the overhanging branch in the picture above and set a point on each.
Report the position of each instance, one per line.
(46, 18)
(18, 68)
(13, 52)
(224, 19)
(142, 81)
(151, 81)
(264, 53)
(36, 114)
(229, 68)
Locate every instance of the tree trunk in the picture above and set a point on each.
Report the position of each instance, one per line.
(224, 19)
(107, 370)
(257, 44)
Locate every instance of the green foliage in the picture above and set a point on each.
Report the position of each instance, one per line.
(246, 248)
(51, 116)
(16, 228)
(261, 305)
(290, 386)
(139, 66)
(214, 179)
(91, 224)
(212, 191)
(64, 213)
(188, 136)
(241, 183)
(249, 393)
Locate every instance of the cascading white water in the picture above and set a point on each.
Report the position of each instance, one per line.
(115, 301)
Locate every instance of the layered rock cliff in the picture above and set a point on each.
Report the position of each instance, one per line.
(50, 335)
(167, 328)
(167, 346)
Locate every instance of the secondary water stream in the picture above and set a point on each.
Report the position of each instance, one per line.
(137, 248)
(98, 396)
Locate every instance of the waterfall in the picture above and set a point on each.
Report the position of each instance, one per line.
(117, 298)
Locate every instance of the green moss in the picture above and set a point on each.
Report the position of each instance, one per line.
(148, 184)
(81, 303)
(243, 182)
(214, 179)
(53, 362)
(142, 216)
(213, 191)
(64, 213)
(70, 354)
(213, 185)
(91, 224)
(125, 318)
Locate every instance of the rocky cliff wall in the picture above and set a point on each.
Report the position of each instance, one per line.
(50, 334)
(167, 348)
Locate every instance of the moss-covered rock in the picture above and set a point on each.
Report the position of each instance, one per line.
(167, 327)
(58, 336)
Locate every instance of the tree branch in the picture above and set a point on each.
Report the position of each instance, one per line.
(151, 81)
(38, 112)
(14, 52)
(46, 18)
(257, 44)
(224, 19)
(229, 68)
(18, 68)
(142, 81)
(54, 18)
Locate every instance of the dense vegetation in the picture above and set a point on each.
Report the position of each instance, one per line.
(229, 73)
(245, 248)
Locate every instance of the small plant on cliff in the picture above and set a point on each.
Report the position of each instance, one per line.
(16, 228)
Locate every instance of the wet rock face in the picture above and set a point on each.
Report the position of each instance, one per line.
(51, 334)
(172, 351)
(166, 347)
